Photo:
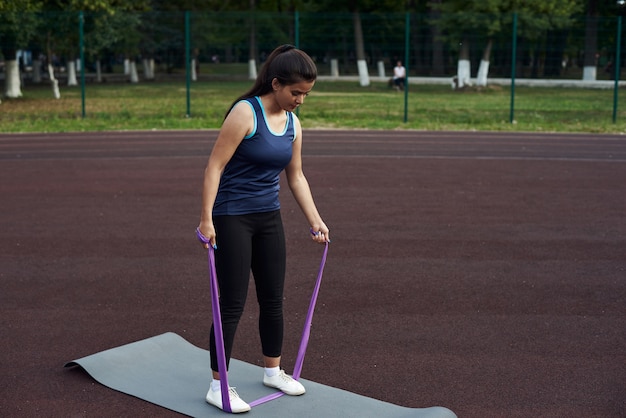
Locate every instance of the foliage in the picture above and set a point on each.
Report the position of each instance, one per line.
(19, 5)
(17, 30)
(490, 17)
(105, 30)
(18, 24)
(109, 6)
(115, 28)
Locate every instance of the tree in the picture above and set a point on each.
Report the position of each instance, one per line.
(53, 23)
(434, 14)
(364, 78)
(465, 20)
(18, 24)
(356, 7)
(61, 36)
(105, 30)
(347, 22)
(593, 23)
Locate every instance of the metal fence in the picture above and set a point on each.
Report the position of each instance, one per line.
(156, 45)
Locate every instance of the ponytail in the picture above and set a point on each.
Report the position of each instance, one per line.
(288, 65)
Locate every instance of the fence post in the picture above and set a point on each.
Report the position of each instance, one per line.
(618, 64)
(188, 61)
(513, 67)
(407, 24)
(81, 49)
(296, 17)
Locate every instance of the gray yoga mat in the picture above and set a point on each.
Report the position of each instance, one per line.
(169, 371)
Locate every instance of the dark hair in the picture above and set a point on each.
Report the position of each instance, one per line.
(288, 65)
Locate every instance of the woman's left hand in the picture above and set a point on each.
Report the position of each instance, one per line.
(320, 233)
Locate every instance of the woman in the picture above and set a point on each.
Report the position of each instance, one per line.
(260, 137)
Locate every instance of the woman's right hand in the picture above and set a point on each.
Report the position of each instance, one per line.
(208, 230)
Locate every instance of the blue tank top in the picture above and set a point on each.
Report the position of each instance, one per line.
(250, 181)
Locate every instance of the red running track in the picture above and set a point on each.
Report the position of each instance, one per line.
(483, 272)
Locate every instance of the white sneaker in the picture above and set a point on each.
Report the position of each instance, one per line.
(284, 383)
(237, 405)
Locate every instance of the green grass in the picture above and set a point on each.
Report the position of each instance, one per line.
(163, 105)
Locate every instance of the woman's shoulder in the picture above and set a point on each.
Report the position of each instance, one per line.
(241, 115)
(296, 126)
(296, 120)
(243, 107)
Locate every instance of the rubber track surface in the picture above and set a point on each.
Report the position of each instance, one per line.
(483, 272)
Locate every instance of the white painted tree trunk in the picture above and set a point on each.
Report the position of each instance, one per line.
(132, 68)
(252, 69)
(71, 73)
(483, 72)
(126, 66)
(194, 74)
(54, 82)
(98, 71)
(12, 84)
(381, 69)
(463, 73)
(36, 71)
(148, 68)
(334, 67)
(364, 77)
(589, 73)
(483, 68)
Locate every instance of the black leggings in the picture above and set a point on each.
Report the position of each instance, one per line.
(250, 242)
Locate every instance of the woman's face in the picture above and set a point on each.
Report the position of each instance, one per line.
(289, 97)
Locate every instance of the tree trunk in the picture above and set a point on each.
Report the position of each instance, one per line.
(483, 69)
(464, 66)
(148, 68)
(252, 74)
(334, 67)
(13, 88)
(438, 67)
(53, 82)
(37, 70)
(132, 68)
(71, 73)
(345, 54)
(418, 63)
(194, 73)
(591, 42)
(364, 78)
(98, 71)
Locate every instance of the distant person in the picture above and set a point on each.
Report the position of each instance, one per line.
(399, 76)
(260, 137)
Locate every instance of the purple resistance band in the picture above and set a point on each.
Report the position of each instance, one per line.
(217, 328)
(219, 336)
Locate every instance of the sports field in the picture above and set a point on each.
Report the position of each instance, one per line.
(482, 272)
